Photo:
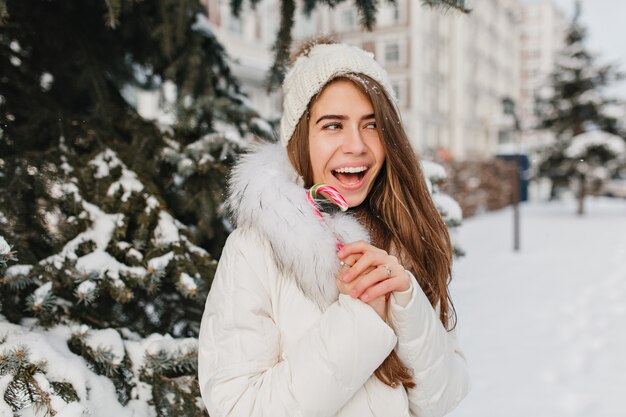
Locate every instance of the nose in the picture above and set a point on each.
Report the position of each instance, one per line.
(353, 141)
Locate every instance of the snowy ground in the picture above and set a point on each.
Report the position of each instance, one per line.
(545, 329)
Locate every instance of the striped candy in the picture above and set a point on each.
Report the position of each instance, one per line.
(331, 194)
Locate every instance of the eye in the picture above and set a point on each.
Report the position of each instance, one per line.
(332, 126)
(370, 125)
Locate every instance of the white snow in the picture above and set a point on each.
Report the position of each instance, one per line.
(543, 329)
(127, 182)
(581, 143)
(96, 393)
(135, 254)
(433, 171)
(85, 288)
(167, 230)
(5, 410)
(615, 111)
(203, 25)
(262, 125)
(15, 46)
(590, 96)
(188, 283)
(151, 204)
(15, 270)
(100, 260)
(100, 233)
(123, 245)
(160, 262)
(168, 344)
(449, 208)
(41, 293)
(59, 189)
(45, 81)
(104, 162)
(107, 340)
(193, 248)
(4, 246)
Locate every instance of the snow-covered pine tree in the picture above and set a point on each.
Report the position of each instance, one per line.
(575, 102)
(110, 215)
(448, 207)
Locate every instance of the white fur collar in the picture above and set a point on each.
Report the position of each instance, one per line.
(265, 195)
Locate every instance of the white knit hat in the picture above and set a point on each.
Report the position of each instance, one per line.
(312, 72)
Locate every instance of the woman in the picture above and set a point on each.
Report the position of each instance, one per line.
(295, 327)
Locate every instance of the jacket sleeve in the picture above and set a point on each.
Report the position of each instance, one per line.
(432, 353)
(242, 371)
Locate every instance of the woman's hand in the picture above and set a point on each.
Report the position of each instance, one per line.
(370, 272)
(378, 304)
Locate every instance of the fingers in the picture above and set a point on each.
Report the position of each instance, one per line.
(348, 261)
(370, 259)
(365, 281)
(368, 272)
(358, 247)
(398, 283)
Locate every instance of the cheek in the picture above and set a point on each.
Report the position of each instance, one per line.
(319, 156)
(379, 150)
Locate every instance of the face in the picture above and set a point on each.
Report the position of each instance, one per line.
(344, 146)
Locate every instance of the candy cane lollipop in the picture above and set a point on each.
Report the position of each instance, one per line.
(331, 194)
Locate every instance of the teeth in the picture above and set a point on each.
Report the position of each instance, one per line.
(351, 170)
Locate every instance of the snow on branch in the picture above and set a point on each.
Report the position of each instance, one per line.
(581, 144)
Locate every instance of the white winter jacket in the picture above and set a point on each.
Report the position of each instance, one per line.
(278, 340)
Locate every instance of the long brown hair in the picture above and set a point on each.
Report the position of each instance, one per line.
(398, 212)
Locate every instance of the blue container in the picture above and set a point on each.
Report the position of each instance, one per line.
(523, 163)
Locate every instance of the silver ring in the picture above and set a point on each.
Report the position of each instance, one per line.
(388, 270)
(343, 264)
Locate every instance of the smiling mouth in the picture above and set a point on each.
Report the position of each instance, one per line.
(350, 175)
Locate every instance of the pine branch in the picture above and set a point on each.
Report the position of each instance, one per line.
(173, 365)
(65, 390)
(367, 12)
(235, 7)
(4, 15)
(25, 388)
(282, 44)
(113, 12)
(17, 282)
(454, 4)
(172, 376)
(102, 362)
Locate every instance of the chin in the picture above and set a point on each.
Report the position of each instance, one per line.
(354, 201)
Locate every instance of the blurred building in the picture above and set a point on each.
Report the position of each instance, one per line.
(248, 41)
(450, 71)
(542, 37)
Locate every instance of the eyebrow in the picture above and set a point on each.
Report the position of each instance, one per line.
(342, 117)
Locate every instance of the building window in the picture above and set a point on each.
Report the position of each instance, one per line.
(395, 12)
(401, 90)
(392, 53)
